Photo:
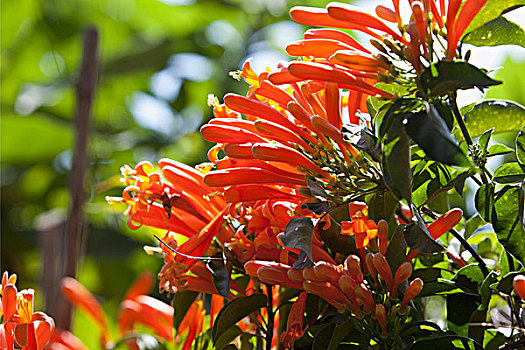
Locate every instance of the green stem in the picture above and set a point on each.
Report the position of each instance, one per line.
(269, 310)
(459, 118)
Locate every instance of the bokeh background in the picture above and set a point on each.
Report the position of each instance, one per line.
(159, 60)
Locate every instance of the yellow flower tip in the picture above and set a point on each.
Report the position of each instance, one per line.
(152, 250)
(127, 171)
(213, 101)
(236, 75)
(204, 168)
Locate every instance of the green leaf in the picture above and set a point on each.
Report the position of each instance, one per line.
(298, 234)
(484, 139)
(220, 276)
(483, 201)
(397, 247)
(396, 156)
(520, 146)
(499, 31)
(418, 237)
(480, 315)
(507, 220)
(510, 116)
(236, 310)
(509, 173)
(472, 225)
(382, 206)
(492, 10)
(446, 76)
(227, 337)
(431, 133)
(498, 150)
(181, 303)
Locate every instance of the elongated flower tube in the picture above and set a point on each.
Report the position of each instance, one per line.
(380, 314)
(294, 326)
(440, 226)
(402, 274)
(383, 268)
(79, 296)
(328, 292)
(413, 290)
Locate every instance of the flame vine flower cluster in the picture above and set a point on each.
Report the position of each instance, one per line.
(321, 186)
(317, 220)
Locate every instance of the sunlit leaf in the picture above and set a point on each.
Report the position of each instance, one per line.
(520, 146)
(447, 76)
(498, 150)
(507, 220)
(492, 10)
(499, 31)
(483, 201)
(509, 173)
(510, 117)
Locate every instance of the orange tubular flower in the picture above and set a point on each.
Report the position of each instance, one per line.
(519, 286)
(363, 229)
(294, 327)
(439, 227)
(79, 296)
(456, 25)
(64, 340)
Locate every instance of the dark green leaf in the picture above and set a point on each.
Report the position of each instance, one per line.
(382, 206)
(484, 139)
(395, 112)
(498, 149)
(499, 31)
(468, 278)
(507, 220)
(480, 315)
(520, 146)
(396, 161)
(446, 76)
(509, 173)
(335, 240)
(316, 189)
(495, 340)
(459, 183)
(227, 337)
(505, 284)
(220, 276)
(510, 117)
(430, 132)
(235, 311)
(443, 342)
(440, 287)
(316, 208)
(418, 237)
(483, 201)
(340, 332)
(298, 234)
(181, 303)
(460, 307)
(323, 338)
(397, 247)
(492, 10)
(444, 113)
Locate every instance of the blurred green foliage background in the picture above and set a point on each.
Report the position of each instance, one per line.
(159, 61)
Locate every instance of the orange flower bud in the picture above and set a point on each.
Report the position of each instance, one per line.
(386, 13)
(413, 289)
(383, 268)
(280, 133)
(347, 285)
(519, 286)
(363, 294)
(295, 275)
(319, 47)
(228, 134)
(310, 275)
(328, 292)
(247, 175)
(352, 266)
(316, 33)
(382, 229)
(381, 319)
(403, 273)
(327, 272)
(370, 266)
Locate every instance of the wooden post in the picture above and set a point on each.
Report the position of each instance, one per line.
(74, 232)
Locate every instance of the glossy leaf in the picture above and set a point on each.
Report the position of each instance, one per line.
(498, 150)
(499, 31)
(181, 303)
(227, 337)
(480, 315)
(520, 146)
(507, 220)
(509, 173)
(430, 132)
(396, 249)
(484, 139)
(446, 76)
(382, 205)
(235, 311)
(510, 117)
(298, 234)
(483, 201)
(492, 10)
